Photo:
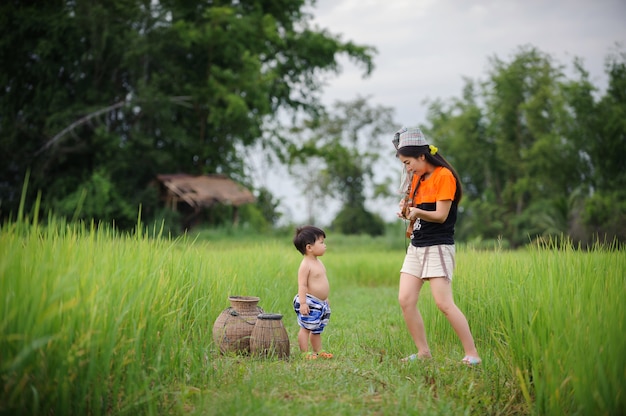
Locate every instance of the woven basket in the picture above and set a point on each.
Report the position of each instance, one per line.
(233, 327)
(269, 337)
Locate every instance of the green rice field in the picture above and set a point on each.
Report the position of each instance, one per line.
(94, 322)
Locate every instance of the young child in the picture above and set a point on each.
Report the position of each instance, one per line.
(311, 303)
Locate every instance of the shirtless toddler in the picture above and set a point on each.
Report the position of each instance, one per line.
(311, 303)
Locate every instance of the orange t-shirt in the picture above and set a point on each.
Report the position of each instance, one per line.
(439, 186)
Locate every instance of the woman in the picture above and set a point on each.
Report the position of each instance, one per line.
(431, 206)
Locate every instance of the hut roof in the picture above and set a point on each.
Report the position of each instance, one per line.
(206, 190)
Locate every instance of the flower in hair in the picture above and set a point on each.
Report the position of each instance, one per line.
(433, 149)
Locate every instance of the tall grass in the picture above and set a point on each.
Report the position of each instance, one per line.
(558, 328)
(97, 322)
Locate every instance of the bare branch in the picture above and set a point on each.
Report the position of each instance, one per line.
(179, 100)
(77, 123)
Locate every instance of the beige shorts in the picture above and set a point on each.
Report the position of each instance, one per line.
(427, 262)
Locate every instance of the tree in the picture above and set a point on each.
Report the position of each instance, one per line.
(130, 88)
(337, 155)
(460, 129)
(526, 143)
(599, 129)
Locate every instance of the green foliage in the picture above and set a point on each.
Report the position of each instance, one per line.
(166, 223)
(531, 147)
(268, 206)
(605, 215)
(336, 154)
(131, 89)
(110, 94)
(607, 152)
(357, 220)
(96, 198)
(253, 218)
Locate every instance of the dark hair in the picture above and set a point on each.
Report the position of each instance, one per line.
(307, 235)
(436, 160)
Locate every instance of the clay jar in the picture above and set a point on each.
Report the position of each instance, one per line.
(233, 327)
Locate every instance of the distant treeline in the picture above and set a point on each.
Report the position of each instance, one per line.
(540, 155)
(99, 98)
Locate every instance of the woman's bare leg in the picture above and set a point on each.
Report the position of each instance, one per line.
(441, 289)
(408, 295)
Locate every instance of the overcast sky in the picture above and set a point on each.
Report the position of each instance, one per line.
(427, 47)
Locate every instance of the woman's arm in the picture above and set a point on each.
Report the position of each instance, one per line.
(440, 214)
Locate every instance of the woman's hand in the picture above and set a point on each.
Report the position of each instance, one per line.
(412, 214)
(402, 206)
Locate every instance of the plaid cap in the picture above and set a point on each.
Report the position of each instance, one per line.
(409, 137)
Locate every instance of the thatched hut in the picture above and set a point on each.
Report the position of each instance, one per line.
(190, 194)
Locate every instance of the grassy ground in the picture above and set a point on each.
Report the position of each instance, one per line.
(365, 376)
(92, 322)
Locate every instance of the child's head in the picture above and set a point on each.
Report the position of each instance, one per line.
(307, 235)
